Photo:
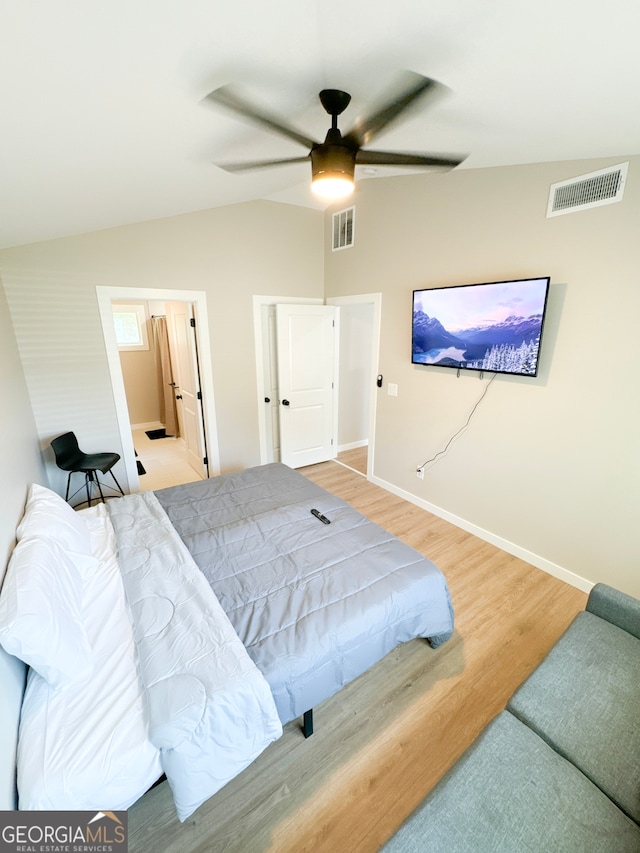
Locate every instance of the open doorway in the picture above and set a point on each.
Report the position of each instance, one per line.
(161, 376)
(359, 344)
(186, 314)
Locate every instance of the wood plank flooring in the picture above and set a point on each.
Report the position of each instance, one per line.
(356, 458)
(383, 741)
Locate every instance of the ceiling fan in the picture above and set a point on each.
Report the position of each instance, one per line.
(333, 161)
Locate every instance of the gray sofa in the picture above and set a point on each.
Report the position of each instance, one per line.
(559, 770)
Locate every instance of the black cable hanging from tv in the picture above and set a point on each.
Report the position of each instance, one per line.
(462, 428)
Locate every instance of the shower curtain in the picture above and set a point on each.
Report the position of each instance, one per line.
(168, 414)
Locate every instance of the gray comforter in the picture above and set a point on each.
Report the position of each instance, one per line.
(314, 604)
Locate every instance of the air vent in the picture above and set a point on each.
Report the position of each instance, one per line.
(343, 228)
(593, 190)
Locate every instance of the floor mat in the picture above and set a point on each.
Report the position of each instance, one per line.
(140, 466)
(156, 433)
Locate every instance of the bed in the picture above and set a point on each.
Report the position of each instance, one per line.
(184, 628)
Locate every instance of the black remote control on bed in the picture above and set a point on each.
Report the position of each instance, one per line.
(319, 515)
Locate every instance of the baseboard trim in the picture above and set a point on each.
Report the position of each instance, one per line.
(353, 445)
(150, 425)
(504, 544)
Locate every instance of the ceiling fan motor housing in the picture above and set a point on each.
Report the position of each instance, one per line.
(333, 161)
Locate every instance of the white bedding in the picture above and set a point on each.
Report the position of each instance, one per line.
(85, 745)
(211, 710)
(172, 688)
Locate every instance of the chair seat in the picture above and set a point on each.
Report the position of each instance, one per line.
(70, 458)
(96, 462)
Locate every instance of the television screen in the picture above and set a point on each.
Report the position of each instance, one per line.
(494, 326)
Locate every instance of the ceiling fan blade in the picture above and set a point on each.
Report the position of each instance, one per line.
(399, 158)
(413, 88)
(247, 166)
(226, 96)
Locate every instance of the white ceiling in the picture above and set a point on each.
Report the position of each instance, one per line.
(102, 122)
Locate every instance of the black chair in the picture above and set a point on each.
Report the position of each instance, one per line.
(70, 458)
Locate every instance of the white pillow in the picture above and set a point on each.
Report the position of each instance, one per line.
(48, 516)
(41, 612)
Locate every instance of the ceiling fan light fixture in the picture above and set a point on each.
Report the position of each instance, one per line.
(332, 185)
(332, 170)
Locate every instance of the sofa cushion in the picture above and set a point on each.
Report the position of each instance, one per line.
(616, 607)
(511, 792)
(584, 700)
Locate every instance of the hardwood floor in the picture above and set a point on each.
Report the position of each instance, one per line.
(355, 458)
(383, 741)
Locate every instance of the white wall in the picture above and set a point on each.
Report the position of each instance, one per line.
(549, 467)
(356, 332)
(20, 464)
(230, 253)
(20, 460)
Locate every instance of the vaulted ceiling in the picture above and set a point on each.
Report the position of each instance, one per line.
(102, 121)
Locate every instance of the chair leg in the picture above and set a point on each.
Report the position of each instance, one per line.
(88, 477)
(66, 497)
(116, 482)
(95, 473)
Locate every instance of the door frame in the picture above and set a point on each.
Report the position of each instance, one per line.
(258, 302)
(173, 309)
(374, 299)
(106, 295)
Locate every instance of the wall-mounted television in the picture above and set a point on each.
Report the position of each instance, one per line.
(494, 327)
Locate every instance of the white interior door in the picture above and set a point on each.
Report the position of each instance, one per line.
(184, 354)
(307, 360)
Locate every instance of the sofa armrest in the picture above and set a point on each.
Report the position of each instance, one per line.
(616, 607)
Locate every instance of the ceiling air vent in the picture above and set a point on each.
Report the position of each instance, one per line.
(343, 228)
(593, 190)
